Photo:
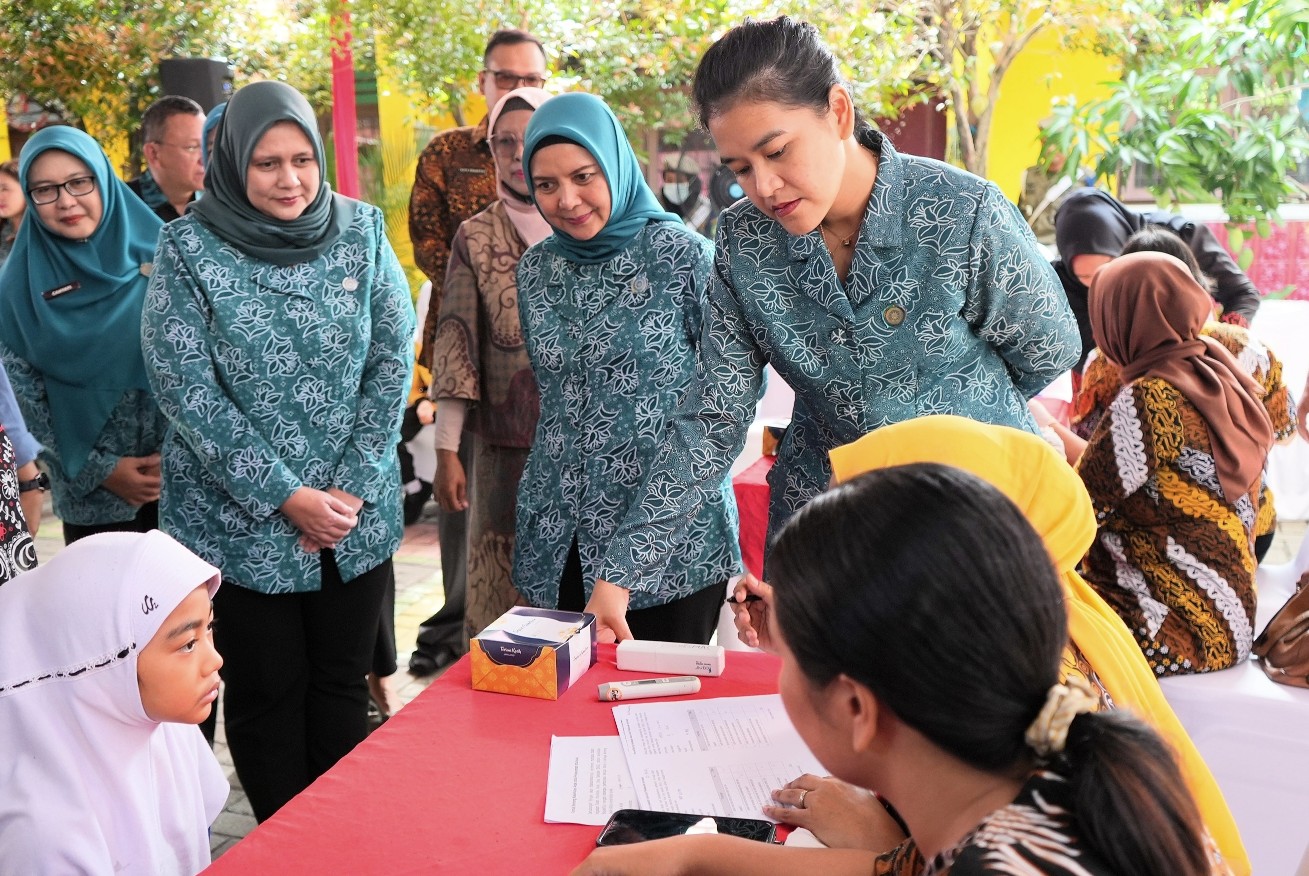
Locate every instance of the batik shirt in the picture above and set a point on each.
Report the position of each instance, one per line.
(454, 180)
(1035, 834)
(949, 308)
(478, 354)
(1101, 381)
(274, 378)
(613, 348)
(1173, 554)
(135, 427)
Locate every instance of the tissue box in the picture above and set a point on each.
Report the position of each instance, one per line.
(533, 652)
(774, 432)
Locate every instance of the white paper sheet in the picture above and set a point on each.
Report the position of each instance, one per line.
(714, 757)
(588, 780)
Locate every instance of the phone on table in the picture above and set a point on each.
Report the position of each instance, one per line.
(637, 825)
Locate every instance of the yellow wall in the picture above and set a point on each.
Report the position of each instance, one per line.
(1043, 71)
(5, 154)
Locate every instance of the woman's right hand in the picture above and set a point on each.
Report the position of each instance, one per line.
(451, 482)
(321, 517)
(752, 618)
(135, 479)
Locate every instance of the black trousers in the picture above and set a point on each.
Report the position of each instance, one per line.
(691, 619)
(445, 629)
(296, 700)
(1261, 545)
(146, 519)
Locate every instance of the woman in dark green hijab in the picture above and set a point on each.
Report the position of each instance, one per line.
(278, 335)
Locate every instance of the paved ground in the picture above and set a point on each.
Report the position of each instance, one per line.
(418, 595)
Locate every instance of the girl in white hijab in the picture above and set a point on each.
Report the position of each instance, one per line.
(106, 657)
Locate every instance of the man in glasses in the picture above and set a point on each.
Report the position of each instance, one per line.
(175, 170)
(454, 181)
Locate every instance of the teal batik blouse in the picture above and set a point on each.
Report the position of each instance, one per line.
(274, 378)
(949, 308)
(613, 349)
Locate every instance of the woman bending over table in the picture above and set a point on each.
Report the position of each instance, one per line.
(880, 286)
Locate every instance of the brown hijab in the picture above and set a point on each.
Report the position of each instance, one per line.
(1146, 313)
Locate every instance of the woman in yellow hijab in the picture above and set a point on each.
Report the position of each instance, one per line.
(1038, 480)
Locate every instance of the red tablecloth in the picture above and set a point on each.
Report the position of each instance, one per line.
(751, 489)
(455, 783)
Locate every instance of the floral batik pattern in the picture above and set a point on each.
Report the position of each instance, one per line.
(613, 347)
(949, 308)
(274, 378)
(17, 549)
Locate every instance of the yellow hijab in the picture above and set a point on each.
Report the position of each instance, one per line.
(1039, 481)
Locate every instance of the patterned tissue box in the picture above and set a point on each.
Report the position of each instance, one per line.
(533, 652)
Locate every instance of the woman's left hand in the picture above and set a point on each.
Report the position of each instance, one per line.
(608, 603)
(310, 545)
(841, 815)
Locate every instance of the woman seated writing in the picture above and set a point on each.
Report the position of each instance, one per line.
(921, 656)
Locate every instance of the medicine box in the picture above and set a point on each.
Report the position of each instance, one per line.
(533, 652)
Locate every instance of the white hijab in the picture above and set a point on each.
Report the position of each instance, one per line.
(88, 782)
(527, 220)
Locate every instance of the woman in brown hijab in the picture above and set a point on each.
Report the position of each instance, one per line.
(1174, 470)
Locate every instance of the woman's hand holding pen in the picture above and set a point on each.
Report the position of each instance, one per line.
(752, 606)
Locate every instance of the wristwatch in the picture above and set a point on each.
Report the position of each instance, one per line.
(40, 482)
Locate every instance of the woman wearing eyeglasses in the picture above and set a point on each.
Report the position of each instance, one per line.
(70, 334)
(481, 375)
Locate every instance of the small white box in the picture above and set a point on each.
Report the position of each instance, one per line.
(677, 658)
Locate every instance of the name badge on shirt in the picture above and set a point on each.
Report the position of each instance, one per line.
(51, 294)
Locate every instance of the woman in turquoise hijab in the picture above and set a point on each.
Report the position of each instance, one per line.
(610, 308)
(70, 314)
(278, 336)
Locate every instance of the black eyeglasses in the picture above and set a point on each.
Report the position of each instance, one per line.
(506, 145)
(507, 80)
(78, 187)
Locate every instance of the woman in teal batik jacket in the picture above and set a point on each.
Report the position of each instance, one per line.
(880, 286)
(70, 315)
(277, 333)
(610, 306)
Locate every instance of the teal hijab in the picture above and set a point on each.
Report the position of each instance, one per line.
(86, 340)
(211, 122)
(227, 212)
(585, 120)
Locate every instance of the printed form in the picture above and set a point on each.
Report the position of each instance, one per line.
(711, 757)
(588, 780)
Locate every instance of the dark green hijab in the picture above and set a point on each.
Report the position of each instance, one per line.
(225, 210)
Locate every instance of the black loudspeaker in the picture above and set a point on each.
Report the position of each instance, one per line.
(206, 81)
(724, 190)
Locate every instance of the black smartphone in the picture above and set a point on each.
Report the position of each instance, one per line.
(637, 825)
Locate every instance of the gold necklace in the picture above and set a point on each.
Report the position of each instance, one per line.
(845, 241)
